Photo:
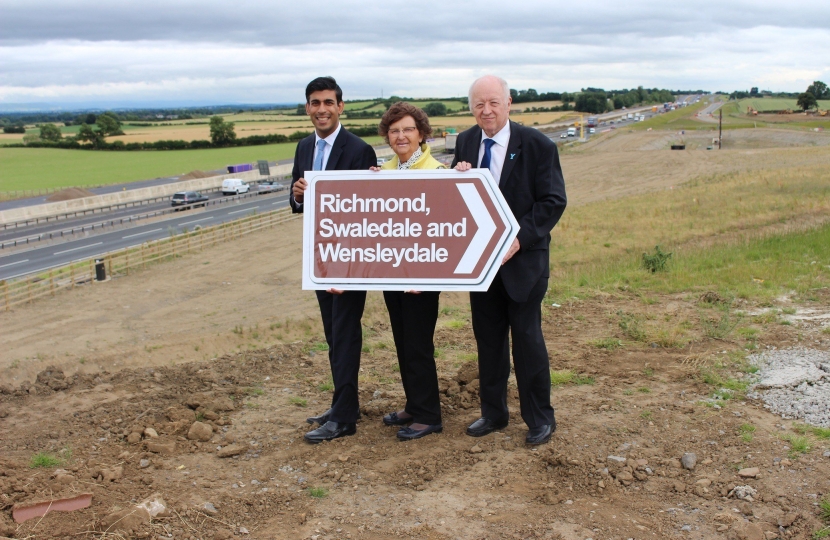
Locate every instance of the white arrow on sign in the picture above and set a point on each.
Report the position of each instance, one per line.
(486, 228)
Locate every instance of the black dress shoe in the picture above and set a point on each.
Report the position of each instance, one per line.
(392, 419)
(485, 426)
(539, 435)
(408, 434)
(330, 431)
(322, 419)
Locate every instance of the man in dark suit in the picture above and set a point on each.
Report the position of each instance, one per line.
(333, 148)
(526, 165)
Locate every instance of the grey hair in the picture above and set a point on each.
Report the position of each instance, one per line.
(501, 81)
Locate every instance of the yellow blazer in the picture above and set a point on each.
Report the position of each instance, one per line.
(426, 161)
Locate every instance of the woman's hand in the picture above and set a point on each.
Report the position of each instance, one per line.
(376, 169)
(462, 166)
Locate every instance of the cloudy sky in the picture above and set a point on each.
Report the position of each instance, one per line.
(248, 51)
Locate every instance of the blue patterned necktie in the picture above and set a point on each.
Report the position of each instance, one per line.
(485, 161)
(318, 161)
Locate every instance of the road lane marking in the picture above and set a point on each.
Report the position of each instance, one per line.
(77, 248)
(14, 263)
(244, 210)
(140, 234)
(194, 221)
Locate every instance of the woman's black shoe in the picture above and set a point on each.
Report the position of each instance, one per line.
(392, 419)
(408, 434)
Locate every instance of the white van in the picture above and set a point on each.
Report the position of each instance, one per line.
(234, 186)
(572, 132)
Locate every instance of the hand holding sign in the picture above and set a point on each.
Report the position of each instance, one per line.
(299, 189)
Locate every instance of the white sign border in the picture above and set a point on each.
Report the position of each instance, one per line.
(476, 284)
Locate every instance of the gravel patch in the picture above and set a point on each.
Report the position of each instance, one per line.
(794, 383)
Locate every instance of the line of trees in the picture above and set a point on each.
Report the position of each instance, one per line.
(593, 100)
(222, 136)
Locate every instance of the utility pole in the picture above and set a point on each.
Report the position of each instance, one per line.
(720, 127)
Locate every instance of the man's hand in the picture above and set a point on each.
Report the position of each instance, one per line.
(462, 166)
(514, 248)
(376, 169)
(335, 291)
(299, 189)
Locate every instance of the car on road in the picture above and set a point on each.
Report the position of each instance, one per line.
(188, 198)
(381, 161)
(269, 186)
(234, 186)
(563, 135)
(591, 131)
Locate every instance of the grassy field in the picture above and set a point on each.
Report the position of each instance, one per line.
(37, 168)
(775, 104)
(453, 105)
(749, 235)
(734, 112)
(357, 105)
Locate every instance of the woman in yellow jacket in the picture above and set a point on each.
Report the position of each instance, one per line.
(413, 314)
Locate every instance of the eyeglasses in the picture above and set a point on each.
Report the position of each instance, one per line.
(406, 131)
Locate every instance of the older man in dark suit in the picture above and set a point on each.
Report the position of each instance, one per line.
(526, 164)
(333, 148)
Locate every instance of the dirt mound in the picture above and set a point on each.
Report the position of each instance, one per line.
(69, 194)
(220, 444)
(194, 175)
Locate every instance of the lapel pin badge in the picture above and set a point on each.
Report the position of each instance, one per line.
(512, 156)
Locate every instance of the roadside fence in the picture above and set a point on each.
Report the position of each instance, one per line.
(120, 263)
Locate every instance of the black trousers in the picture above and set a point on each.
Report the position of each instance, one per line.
(494, 313)
(341, 323)
(413, 318)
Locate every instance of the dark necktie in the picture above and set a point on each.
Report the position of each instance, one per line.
(485, 161)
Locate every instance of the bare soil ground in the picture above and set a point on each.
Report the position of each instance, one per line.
(226, 338)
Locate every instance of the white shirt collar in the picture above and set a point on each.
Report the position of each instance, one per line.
(330, 139)
(502, 137)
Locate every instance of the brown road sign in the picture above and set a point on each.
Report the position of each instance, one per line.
(430, 230)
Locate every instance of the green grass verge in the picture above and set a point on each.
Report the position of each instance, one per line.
(753, 269)
(669, 120)
(39, 168)
(600, 246)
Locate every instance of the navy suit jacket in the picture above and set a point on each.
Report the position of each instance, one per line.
(532, 184)
(348, 153)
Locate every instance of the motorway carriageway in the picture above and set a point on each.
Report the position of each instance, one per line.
(56, 226)
(45, 257)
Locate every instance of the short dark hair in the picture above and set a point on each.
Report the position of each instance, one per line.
(400, 110)
(323, 83)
